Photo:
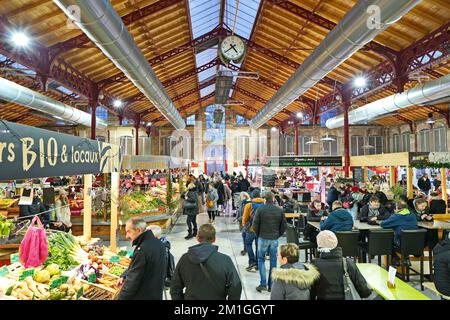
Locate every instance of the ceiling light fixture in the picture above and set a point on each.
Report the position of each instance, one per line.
(360, 82)
(327, 138)
(149, 124)
(117, 103)
(299, 114)
(20, 39)
(430, 119)
(312, 141)
(274, 129)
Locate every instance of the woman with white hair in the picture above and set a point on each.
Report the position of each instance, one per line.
(62, 208)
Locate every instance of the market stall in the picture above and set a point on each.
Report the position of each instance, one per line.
(300, 175)
(28, 153)
(395, 163)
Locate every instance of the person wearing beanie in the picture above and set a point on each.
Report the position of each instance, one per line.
(338, 220)
(191, 209)
(269, 225)
(293, 280)
(441, 257)
(329, 263)
(250, 235)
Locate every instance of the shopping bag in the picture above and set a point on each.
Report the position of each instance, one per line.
(33, 250)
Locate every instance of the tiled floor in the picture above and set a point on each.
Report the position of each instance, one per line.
(229, 241)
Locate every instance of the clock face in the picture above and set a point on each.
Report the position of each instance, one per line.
(232, 48)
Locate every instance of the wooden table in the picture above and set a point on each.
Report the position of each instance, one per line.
(377, 278)
(434, 225)
(365, 226)
(294, 215)
(315, 224)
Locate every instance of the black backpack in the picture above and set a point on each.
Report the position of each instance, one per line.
(170, 267)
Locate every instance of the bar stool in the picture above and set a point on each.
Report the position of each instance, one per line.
(308, 246)
(348, 241)
(412, 244)
(379, 244)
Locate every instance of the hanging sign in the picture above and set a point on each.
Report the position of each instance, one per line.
(441, 157)
(302, 162)
(29, 152)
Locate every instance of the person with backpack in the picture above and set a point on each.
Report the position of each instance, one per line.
(211, 202)
(330, 263)
(247, 225)
(203, 273)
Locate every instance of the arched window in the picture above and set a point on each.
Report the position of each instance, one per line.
(356, 144)
(396, 143)
(440, 139)
(304, 149)
(377, 142)
(424, 138)
(406, 142)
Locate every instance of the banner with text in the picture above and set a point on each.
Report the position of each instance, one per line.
(28, 152)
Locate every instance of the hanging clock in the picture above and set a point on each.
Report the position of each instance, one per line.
(232, 48)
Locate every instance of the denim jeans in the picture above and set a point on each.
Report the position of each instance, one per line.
(250, 237)
(270, 246)
(243, 238)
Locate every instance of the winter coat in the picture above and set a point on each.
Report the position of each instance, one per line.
(424, 184)
(442, 267)
(244, 185)
(293, 281)
(269, 222)
(221, 192)
(418, 213)
(189, 275)
(403, 220)
(35, 208)
(235, 187)
(436, 183)
(438, 207)
(212, 195)
(248, 212)
(145, 276)
(338, 220)
(228, 192)
(366, 213)
(330, 285)
(240, 212)
(333, 195)
(191, 197)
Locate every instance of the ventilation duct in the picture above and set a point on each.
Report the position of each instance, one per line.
(423, 94)
(357, 28)
(101, 23)
(13, 92)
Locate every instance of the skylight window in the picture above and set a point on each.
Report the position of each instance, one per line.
(246, 16)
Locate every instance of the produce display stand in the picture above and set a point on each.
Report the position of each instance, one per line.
(164, 219)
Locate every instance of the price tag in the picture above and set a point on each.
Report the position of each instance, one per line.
(92, 278)
(55, 283)
(26, 273)
(79, 292)
(4, 271)
(114, 259)
(14, 258)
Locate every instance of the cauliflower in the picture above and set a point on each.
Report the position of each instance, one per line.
(42, 276)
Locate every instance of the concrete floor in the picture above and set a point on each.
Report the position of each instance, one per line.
(229, 241)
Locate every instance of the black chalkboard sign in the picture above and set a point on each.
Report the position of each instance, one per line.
(358, 175)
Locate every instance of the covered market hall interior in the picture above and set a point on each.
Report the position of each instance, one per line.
(224, 149)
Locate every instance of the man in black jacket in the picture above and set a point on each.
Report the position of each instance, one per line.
(205, 273)
(269, 225)
(424, 184)
(244, 184)
(442, 266)
(144, 278)
(373, 211)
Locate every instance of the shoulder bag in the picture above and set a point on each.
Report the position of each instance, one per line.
(350, 291)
